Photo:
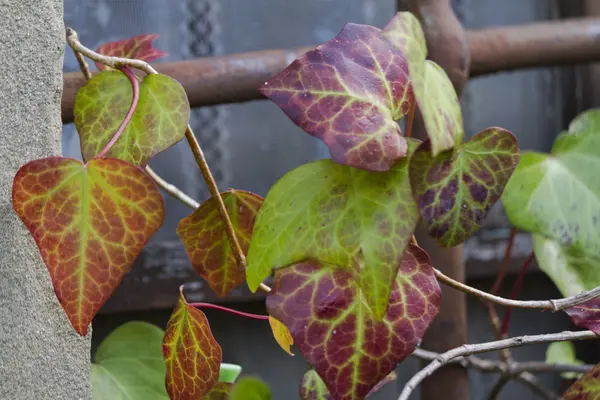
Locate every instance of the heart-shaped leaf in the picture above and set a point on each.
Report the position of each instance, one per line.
(205, 238)
(312, 386)
(586, 388)
(587, 121)
(349, 92)
(159, 121)
(586, 315)
(571, 270)
(90, 222)
(432, 88)
(558, 195)
(455, 190)
(129, 364)
(249, 388)
(336, 332)
(282, 335)
(192, 355)
(337, 215)
(138, 47)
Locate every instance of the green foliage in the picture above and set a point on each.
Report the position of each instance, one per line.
(563, 353)
(248, 388)
(159, 121)
(586, 388)
(129, 364)
(338, 215)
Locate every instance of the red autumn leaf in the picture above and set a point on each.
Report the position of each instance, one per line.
(337, 333)
(90, 222)
(192, 355)
(205, 239)
(586, 315)
(312, 386)
(349, 92)
(138, 47)
(585, 388)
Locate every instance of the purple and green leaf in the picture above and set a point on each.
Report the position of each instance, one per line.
(586, 315)
(312, 386)
(205, 238)
(338, 215)
(349, 92)
(585, 388)
(456, 189)
(192, 355)
(138, 47)
(336, 331)
(433, 90)
(90, 222)
(159, 121)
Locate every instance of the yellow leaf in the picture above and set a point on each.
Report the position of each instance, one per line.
(282, 335)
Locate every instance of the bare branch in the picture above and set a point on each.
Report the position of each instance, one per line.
(470, 349)
(535, 385)
(172, 190)
(553, 305)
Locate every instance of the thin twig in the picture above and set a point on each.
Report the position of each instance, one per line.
(498, 386)
(470, 349)
(552, 305)
(230, 310)
(119, 62)
(494, 366)
(172, 190)
(83, 65)
(537, 386)
(516, 288)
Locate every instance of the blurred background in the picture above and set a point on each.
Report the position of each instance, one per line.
(250, 145)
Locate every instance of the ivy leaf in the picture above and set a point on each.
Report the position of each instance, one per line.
(571, 270)
(349, 92)
(228, 373)
(558, 196)
(312, 386)
(337, 215)
(159, 121)
(219, 392)
(282, 335)
(432, 88)
(90, 222)
(249, 388)
(129, 364)
(192, 355)
(205, 238)
(585, 388)
(586, 315)
(334, 329)
(587, 121)
(138, 47)
(455, 190)
(563, 353)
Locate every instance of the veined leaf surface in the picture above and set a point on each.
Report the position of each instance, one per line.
(337, 215)
(137, 47)
(90, 222)
(585, 388)
(159, 121)
(335, 330)
(349, 92)
(586, 315)
(456, 189)
(205, 238)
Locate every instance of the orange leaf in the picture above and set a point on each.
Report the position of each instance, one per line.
(282, 335)
(90, 222)
(192, 355)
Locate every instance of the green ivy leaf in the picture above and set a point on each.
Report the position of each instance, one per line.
(332, 325)
(349, 92)
(312, 386)
(586, 388)
(557, 197)
(90, 222)
(228, 373)
(129, 364)
(587, 121)
(455, 190)
(248, 388)
(338, 215)
(563, 353)
(432, 88)
(159, 121)
(206, 242)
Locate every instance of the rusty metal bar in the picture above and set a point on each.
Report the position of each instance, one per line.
(230, 79)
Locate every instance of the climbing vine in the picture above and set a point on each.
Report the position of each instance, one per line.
(352, 289)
